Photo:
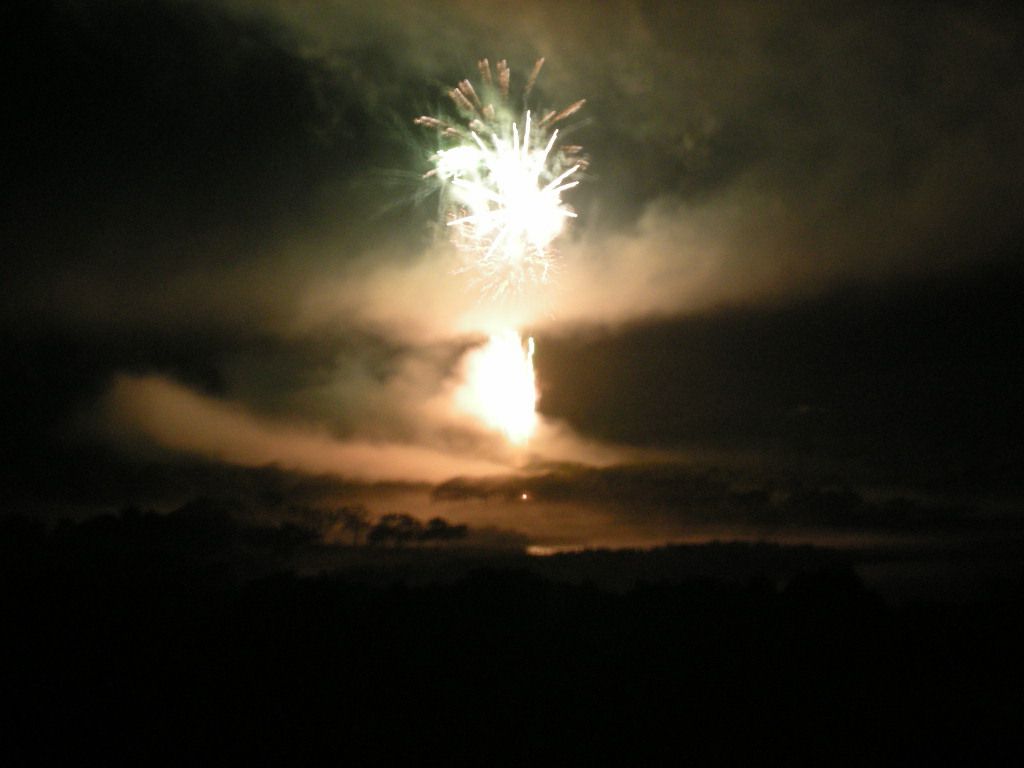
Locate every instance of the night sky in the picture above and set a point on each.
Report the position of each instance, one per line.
(790, 305)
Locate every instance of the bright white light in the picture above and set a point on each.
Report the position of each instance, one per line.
(500, 388)
(502, 176)
(510, 204)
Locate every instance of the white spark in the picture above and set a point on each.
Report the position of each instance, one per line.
(503, 186)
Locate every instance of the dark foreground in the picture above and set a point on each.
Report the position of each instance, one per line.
(162, 650)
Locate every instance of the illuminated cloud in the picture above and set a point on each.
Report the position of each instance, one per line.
(177, 418)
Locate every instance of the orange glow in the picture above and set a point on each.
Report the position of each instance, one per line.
(500, 388)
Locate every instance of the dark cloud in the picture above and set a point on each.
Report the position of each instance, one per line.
(170, 160)
(916, 382)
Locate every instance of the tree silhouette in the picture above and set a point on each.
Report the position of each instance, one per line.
(354, 519)
(439, 529)
(396, 527)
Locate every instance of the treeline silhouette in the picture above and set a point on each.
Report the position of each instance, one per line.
(355, 524)
(726, 496)
(129, 638)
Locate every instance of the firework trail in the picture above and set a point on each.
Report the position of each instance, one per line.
(502, 174)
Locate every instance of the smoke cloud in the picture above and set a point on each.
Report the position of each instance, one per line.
(174, 417)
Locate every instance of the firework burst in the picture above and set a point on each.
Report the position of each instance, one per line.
(502, 174)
